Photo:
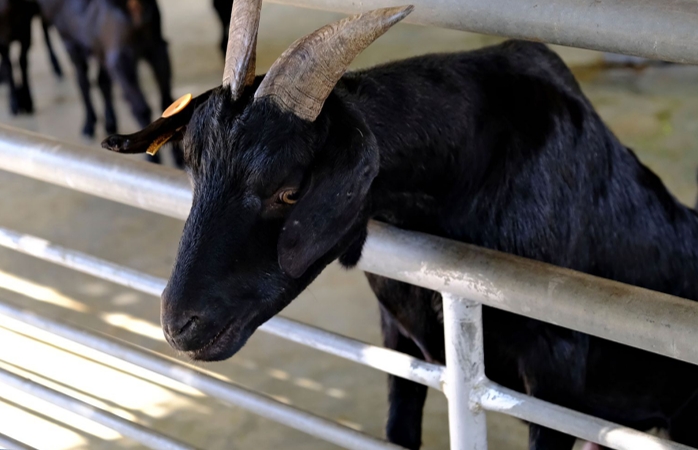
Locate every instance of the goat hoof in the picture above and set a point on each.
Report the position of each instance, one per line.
(110, 128)
(26, 104)
(14, 106)
(88, 130)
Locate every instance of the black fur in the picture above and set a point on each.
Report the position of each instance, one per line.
(498, 148)
(117, 33)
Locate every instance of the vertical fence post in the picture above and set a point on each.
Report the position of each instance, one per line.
(465, 367)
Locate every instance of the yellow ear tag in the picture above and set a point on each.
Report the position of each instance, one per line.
(171, 110)
(159, 142)
(177, 106)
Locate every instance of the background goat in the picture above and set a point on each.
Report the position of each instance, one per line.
(15, 26)
(497, 147)
(117, 33)
(223, 9)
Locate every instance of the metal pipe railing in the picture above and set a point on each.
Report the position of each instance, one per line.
(501, 280)
(483, 393)
(7, 442)
(492, 397)
(228, 392)
(465, 368)
(656, 29)
(619, 312)
(92, 171)
(627, 314)
(383, 359)
(135, 431)
(380, 358)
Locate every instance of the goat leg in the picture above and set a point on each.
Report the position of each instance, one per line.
(411, 323)
(406, 398)
(554, 370)
(7, 70)
(682, 427)
(122, 68)
(105, 86)
(79, 59)
(224, 9)
(51, 53)
(3, 75)
(26, 104)
(159, 59)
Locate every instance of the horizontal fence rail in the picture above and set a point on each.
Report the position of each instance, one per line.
(656, 29)
(466, 276)
(12, 444)
(226, 391)
(619, 312)
(457, 270)
(135, 431)
(484, 394)
(492, 397)
(380, 358)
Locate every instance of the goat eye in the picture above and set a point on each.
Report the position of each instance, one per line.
(289, 196)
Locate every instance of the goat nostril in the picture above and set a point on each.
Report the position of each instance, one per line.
(187, 326)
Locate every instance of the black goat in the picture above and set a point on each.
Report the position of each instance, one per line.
(15, 26)
(117, 33)
(223, 9)
(497, 147)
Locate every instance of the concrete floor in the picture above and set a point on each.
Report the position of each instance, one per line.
(653, 111)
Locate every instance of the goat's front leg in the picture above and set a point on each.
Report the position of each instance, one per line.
(554, 369)
(159, 59)
(682, 427)
(122, 66)
(411, 322)
(405, 398)
(3, 62)
(51, 53)
(26, 103)
(223, 9)
(7, 75)
(79, 59)
(105, 85)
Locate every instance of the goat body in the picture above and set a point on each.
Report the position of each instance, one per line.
(498, 148)
(519, 162)
(117, 33)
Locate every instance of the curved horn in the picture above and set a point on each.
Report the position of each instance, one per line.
(304, 75)
(240, 54)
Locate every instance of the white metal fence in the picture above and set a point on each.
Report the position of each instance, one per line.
(467, 276)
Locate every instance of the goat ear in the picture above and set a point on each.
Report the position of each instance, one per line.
(335, 197)
(169, 127)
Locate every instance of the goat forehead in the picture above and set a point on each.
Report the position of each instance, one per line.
(256, 170)
(246, 144)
